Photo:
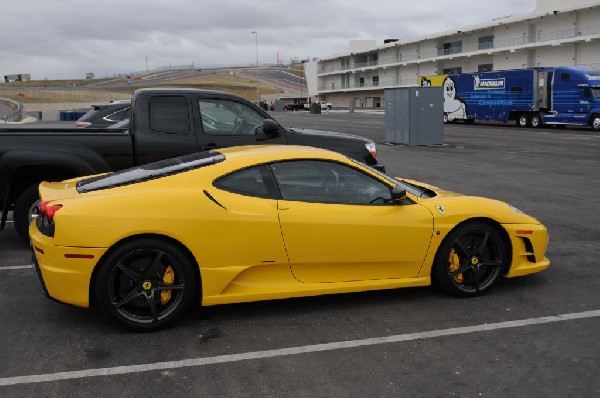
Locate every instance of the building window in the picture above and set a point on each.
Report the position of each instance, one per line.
(375, 81)
(361, 82)
(454, 47)
(452, 71)
(485, 68)
(486, 42)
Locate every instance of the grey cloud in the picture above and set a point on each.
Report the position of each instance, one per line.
(67, 38)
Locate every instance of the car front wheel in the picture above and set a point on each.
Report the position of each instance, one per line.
(470, 260)
(146, 284)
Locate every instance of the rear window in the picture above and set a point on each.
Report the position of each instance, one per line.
(169, 115)
(150, 171)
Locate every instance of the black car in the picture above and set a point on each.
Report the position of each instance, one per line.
(103, 116)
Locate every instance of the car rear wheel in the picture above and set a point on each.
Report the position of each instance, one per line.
(470, 260)
(146, 284)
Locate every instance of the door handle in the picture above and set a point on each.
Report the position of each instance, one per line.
(208, 147)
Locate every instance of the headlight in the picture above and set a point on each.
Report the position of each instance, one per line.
(372, 149)
(515, 209)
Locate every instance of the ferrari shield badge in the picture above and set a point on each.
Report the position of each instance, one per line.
(441, 209)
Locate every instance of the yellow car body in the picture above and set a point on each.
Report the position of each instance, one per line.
(246, 248)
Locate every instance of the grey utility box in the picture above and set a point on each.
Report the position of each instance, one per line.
(278, 106)
(315, 108)
(414, 116)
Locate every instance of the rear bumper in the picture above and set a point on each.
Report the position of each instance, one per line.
(60, 274)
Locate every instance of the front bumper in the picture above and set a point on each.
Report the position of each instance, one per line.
(529, 243)
(63, 276)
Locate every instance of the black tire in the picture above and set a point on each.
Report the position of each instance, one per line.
(131, 284)
(595, 122)
(536, 120)
(445, 119)
(24, 205)
(470, 260)
(523, 120)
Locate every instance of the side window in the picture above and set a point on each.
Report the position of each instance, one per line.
(254, 181)
(222, 117)
(169, 115)
(328, 182)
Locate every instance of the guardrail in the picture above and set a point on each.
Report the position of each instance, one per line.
(17, 114)
(491, 45)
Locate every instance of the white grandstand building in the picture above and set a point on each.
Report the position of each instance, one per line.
(557, 33)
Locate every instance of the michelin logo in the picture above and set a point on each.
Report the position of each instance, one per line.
(487, 84)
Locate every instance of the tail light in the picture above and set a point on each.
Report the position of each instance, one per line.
(83, 125)
(48, 210)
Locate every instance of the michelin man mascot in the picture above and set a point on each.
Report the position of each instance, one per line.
(454, 107)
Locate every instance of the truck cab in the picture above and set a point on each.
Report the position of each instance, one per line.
(575, 97)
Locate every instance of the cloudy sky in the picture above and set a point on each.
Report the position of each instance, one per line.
(67, 38)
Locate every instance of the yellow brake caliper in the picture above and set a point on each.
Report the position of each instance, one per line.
(168, 278)
(454, 261)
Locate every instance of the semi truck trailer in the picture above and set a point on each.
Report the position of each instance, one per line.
(533, 97)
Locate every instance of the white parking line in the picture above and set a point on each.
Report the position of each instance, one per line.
(16, 267)
(119, 370)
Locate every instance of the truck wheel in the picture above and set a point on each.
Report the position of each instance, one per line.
(523, 120)
(24, 210)
(536, 120)
(595, 122)
(445, 118)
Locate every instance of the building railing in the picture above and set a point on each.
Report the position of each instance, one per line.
(367, 85)
(496, 44)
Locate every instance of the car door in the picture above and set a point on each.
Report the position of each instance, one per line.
(245, 221)
(338, 224)
(224, 122)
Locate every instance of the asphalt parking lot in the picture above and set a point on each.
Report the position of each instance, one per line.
(535, 336)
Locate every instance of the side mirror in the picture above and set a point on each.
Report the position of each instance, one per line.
(270, 128)
(398, 194)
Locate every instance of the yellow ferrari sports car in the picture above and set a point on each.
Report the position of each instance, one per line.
(266, 222)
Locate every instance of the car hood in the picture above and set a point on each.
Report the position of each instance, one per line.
(454, 207)
(328, 134)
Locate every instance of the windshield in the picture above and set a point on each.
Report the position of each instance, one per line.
(150, 171)
(416, 190)
(595, 92)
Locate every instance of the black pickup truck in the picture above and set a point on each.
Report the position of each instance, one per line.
(164, 123)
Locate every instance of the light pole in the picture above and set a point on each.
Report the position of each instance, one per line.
(256, 41)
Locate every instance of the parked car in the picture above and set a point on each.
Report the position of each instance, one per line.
(266, 222)
(296, 106)
(101, 116)
(324, 105)
(165, 123)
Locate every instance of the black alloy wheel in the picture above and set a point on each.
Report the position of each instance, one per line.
(146, 284)
(470, 260)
